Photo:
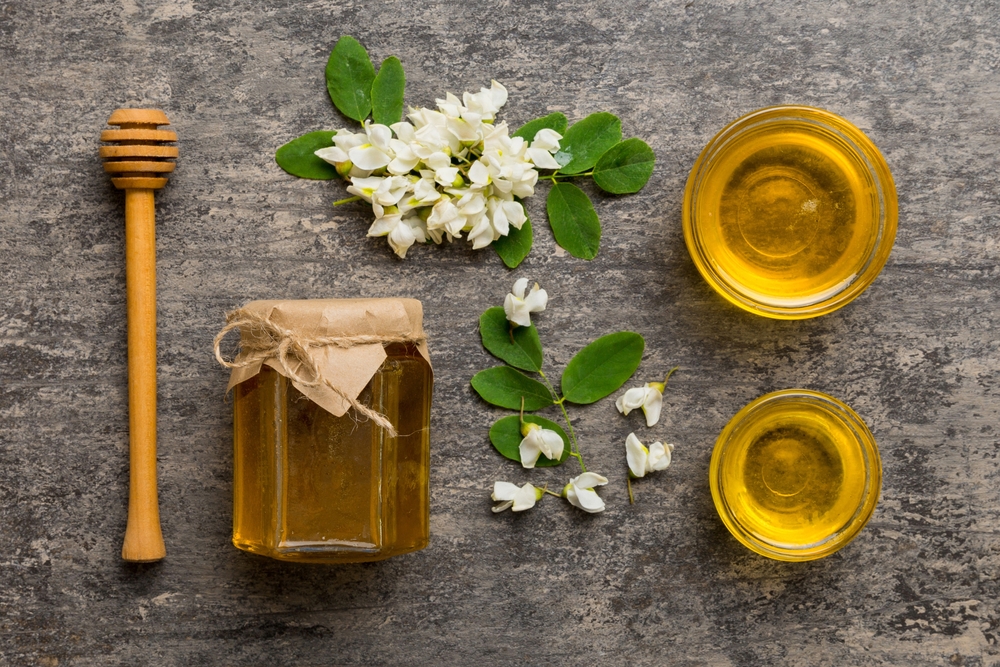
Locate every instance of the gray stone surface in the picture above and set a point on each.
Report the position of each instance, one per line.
(660, 582)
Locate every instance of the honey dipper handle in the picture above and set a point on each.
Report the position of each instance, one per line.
(143, 538)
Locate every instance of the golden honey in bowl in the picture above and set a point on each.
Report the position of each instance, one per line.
(795, 475)
(790, 212)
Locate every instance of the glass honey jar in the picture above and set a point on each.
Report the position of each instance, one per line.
(312, 485)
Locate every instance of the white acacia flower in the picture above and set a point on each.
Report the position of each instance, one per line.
(404, 131)
(543, 146)
(503, 215)
(404, 159)
(435, 160)
(337, 155)
(523, 183)
(519, 307)
(489, 225)
(464, 131)
(648, 397)
(365, 187)
(450, 106)
(446, 217)
(345, 140)
(546, 139)
(446, 176)
(470, 203)
(390, 190)
(516, 498)
(376, 153)
(642, 460)
(487, 101)
(499, 142)
(513, 211)
(580, 492)
(481, 231)
(472, 206)
(538, 441)
(403, 231)
(432, 135)
(479, 174)
(542, 159)
(424, 193)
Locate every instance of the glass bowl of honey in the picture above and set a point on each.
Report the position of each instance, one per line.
(790, 212)
(795, 475)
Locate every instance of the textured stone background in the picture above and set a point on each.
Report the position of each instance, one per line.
(660, 582)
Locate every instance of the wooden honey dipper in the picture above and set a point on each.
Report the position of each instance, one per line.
(138, 160)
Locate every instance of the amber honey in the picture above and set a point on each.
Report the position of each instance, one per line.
(790, 212)
(795, 475)
(309, 486)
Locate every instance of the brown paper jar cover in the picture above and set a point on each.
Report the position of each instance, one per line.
(314, 480)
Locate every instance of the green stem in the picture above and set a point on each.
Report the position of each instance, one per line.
(574, 446)
(347, 201)
(554, 177)
(631, 498)
(572, 435)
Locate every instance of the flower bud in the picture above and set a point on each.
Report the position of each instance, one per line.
(344, 168)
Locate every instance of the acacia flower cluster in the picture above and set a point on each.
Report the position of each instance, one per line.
(444, 173)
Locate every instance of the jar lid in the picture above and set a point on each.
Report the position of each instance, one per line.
(329, 348)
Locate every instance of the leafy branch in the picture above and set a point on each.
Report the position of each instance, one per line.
(590, 148)
(593, 373)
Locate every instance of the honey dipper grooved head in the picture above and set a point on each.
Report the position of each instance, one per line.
(138, 154)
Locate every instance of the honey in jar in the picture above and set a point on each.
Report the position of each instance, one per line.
(314, 486)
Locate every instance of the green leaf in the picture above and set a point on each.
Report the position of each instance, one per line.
(506, 436)
(298, 158)
(387, 92)
(602, 367)
(349, 77)
(625, 167)
(504, 386)
(586, 141)
(524, 352)
(554, 121)
(573, 220)
(514, 247)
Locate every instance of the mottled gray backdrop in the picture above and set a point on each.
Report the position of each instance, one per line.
(657, 583)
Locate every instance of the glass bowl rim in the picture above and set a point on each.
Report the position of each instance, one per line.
(860, 147)
(850, 528)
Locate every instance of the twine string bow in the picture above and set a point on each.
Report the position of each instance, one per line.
(291, 350)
